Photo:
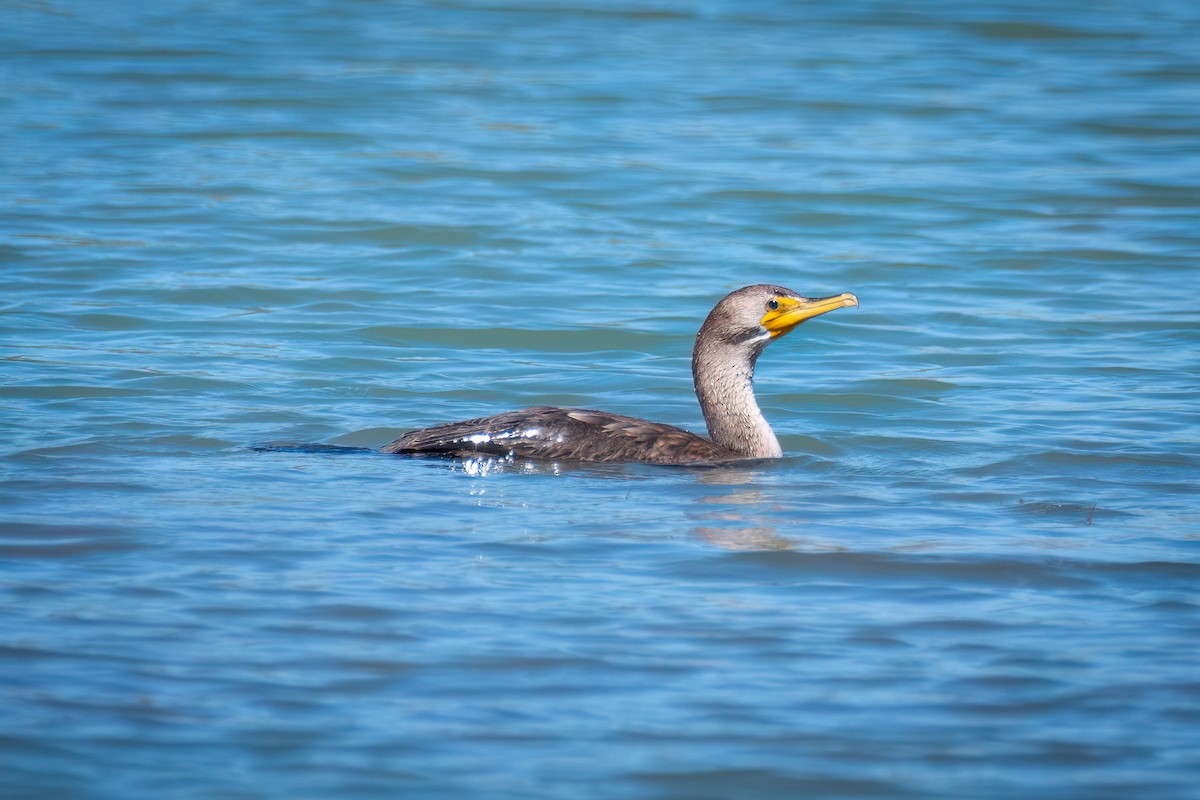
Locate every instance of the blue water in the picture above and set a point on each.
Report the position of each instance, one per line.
(974, 574)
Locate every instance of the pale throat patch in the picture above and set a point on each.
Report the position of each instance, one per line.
(765, 336)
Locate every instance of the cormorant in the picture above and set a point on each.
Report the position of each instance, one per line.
(729, 343)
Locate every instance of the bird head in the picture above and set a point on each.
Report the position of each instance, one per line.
(761, 313)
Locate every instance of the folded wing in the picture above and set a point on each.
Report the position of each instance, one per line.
(566, 434)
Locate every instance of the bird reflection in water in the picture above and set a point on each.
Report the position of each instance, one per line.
(734, 513)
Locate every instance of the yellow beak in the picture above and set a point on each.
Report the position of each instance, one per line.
(793, 311)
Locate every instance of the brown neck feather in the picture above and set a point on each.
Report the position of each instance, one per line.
(724, 376)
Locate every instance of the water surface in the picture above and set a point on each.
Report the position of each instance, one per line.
(974, 573)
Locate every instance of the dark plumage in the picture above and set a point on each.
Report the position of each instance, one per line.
(727, 347)
(561, 434)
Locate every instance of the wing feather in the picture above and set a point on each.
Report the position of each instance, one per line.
(574, 434)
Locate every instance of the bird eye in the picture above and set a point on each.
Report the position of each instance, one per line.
(773, 304)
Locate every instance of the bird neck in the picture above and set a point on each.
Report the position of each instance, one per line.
(724, 377)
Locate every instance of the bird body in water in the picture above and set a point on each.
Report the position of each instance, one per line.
(727, 347)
